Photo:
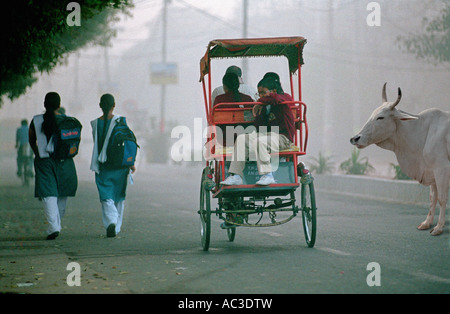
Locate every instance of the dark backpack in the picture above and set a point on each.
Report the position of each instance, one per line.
(68, 137)
(122, 146)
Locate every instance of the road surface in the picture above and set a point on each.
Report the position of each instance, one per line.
(159, 248)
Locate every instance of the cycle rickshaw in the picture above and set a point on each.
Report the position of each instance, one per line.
(240, 205)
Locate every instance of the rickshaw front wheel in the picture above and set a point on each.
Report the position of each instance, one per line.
(205, 213)
(231, 232)
(308, 207)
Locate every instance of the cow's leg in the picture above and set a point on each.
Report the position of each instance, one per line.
(442, 182)
(426, 224)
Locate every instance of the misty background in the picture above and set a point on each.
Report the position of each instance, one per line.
(346, 64)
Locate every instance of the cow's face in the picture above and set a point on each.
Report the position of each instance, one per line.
(382, 124)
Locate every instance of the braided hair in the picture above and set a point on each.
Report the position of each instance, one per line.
(106, 103)
(52, 102)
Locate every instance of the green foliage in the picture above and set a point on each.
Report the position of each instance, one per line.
(433, 45)
(322, 164)
(36, 37)
(356, 165)
(399, 174)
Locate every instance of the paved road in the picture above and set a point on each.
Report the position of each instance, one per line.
(159, 250)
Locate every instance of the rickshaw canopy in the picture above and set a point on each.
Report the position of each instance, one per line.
(290, 47)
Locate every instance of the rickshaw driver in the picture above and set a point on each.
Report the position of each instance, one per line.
(279, 116)
(243, 88)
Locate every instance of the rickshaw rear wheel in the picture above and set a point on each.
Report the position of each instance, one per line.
(308, 207)
(205, 213)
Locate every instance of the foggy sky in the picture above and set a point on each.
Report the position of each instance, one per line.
(346, 64)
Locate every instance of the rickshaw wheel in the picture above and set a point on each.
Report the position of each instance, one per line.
(205, 213)
(308, 207)
(231, 232)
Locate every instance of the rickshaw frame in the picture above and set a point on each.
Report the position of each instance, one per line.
(232, 198)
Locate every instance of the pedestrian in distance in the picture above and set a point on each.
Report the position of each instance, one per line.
(24, 153)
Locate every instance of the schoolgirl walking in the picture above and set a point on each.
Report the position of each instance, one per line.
(55, 177)
(111, 180)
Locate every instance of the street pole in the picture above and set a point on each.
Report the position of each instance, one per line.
(164, 53)
(244, 35)
(328, 35)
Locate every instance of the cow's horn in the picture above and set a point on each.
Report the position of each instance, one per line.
(398, 99)
(383, 94)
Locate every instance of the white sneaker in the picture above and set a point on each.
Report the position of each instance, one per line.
(232, 180)
(266, 179)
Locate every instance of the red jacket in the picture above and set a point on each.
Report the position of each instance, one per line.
(280, 115)
(229, 97)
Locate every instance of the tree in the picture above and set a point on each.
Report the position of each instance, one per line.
(36, 37)
(433, 45)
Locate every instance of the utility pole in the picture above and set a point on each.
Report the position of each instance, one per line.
(244, 35)
(106, 65)
(328, 35)
(75, 104)
(164, 54)
(357, 50)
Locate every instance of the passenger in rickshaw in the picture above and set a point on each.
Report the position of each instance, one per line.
(243, 88)
(230, 83)
(265, 140)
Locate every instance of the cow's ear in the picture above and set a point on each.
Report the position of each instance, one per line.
(400, 115)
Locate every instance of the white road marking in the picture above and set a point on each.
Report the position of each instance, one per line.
(431, 277)
(333, 251)
(273, 234)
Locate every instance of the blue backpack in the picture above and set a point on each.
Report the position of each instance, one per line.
(122, 146)
(68, 137)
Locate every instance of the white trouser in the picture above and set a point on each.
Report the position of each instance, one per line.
(54, 209)
(112, 213)
(257, 145)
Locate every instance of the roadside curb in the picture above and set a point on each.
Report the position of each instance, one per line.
(399, 191)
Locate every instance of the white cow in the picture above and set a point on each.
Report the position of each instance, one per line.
(422, 146)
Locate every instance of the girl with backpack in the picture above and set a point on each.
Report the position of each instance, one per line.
(111, 181)
(56, 178)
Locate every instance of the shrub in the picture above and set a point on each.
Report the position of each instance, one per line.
(356, 165)
(322, 164)
(399, 174)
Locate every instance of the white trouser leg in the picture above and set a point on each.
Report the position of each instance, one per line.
(112, 213)
(51, 212)
(120, 207)
(109, 213)
(257, 145)
(62, 202)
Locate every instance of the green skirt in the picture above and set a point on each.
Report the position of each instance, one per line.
(112, 183)
(55, 177)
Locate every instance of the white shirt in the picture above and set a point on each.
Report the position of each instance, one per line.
(96, 157)
(45, 148)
